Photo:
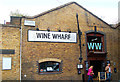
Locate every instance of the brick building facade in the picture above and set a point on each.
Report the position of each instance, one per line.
(10, 51)
(0, 54)
(118, 27)
(58, 60)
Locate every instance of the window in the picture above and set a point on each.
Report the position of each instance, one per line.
(94, 43)
(49, 67)
(6, 65)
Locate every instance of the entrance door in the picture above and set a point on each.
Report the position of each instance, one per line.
(98, 66)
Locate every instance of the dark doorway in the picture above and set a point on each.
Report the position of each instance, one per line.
(98, 66)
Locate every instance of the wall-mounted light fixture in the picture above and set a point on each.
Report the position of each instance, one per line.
(86, 65)
(79, 67)
(114, 63)
(115, 69)
(48, 29)
(59, 30)
(80, 59)
(68, 30)
(37, 29)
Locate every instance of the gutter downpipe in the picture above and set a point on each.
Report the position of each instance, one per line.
(20, 49)
(79, 33)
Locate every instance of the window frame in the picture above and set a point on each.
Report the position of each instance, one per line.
(92, 34)
(50, 72)
(99, 41)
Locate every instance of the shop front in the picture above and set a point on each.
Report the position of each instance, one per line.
(96, 51)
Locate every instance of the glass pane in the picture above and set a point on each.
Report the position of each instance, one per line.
(94, 39)
(49, 66)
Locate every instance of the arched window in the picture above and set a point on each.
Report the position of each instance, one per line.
(49, 65)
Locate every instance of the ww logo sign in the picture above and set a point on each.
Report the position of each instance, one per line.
(97, 46)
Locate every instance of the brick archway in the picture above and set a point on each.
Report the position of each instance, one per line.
(49, 59)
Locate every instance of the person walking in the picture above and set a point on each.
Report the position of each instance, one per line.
(90, 73)
(108, 71)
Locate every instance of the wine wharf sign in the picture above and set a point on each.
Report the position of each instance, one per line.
(45, 36)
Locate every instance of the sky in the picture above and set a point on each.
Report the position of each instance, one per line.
(107, 10)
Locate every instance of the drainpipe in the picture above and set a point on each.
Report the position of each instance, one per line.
(79, 33)
(20, 50)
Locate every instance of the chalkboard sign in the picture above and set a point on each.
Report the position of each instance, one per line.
(102, 75)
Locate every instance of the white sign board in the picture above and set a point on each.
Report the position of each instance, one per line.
(46, 36)
(29, 23)
(6, 65)
(80, 66)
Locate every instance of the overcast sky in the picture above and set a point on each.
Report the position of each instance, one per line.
(104, 9)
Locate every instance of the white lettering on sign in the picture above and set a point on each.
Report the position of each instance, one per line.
(51, 36)
(97, 46)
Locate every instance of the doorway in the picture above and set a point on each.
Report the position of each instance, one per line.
(98, 66)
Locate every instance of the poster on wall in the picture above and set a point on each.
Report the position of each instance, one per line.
(102, 76)
(29, 23)
(45, 36)
(6, 64)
